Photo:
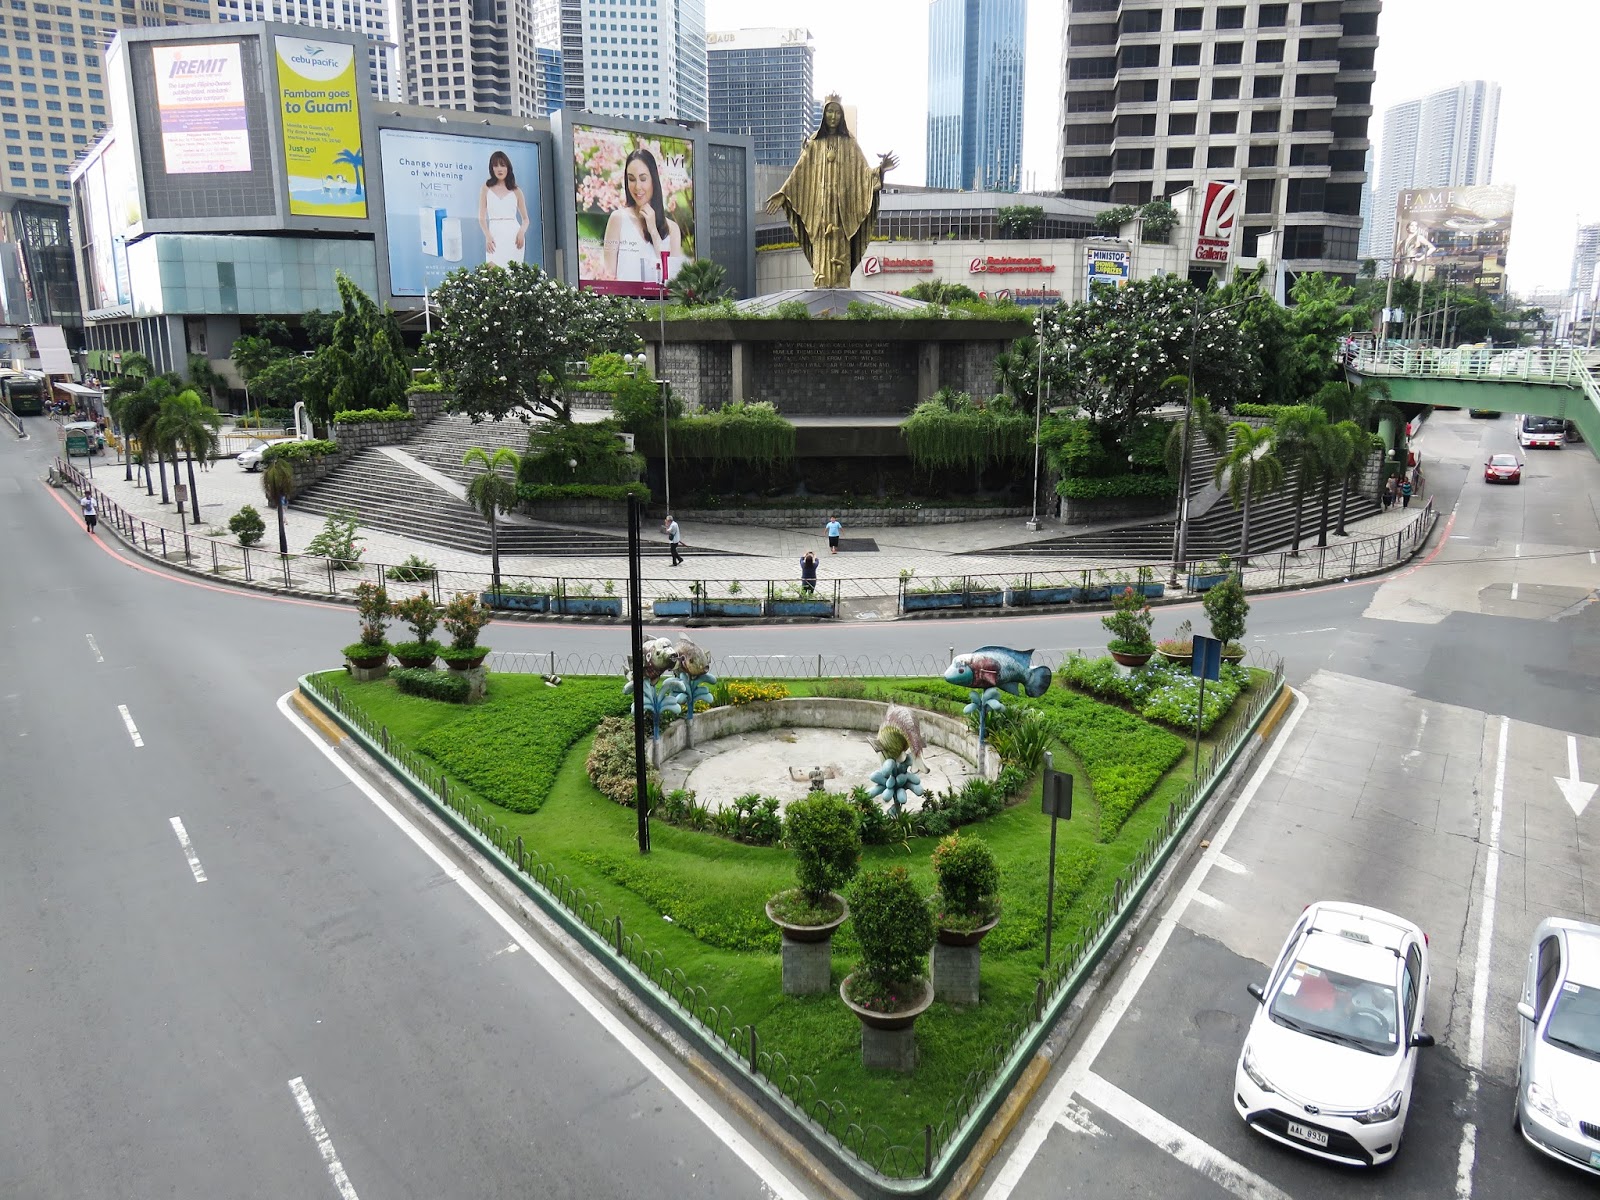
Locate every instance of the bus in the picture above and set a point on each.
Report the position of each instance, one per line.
(1541, 431)
(23, 393)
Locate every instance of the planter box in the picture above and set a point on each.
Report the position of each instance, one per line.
(1021, 597)
(728, 608)
(670, 608)
(1099, 592)
(1203, 583)
(799, 608)
(587, 606)
(1150, 591)
(520, 603)
(914, 601)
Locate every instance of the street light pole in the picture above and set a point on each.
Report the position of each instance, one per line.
(1180, 536)
(1038, 410)
(666, 386)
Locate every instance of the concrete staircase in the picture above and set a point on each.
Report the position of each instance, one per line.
(447, 437)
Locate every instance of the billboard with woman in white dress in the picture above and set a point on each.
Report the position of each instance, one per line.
(635, 204)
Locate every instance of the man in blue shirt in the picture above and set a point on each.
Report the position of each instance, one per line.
(834, 529)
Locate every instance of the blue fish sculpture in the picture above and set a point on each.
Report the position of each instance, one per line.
(999, 667)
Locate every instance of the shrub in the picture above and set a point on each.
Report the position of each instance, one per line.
(372, 606)
(247, 525)
(968, 878)
(823, 834)
(841, 689)
(743, 692)
(1129, 624)
(465, 618)
(364, 650)
(420, 613)
(1019, 737)
(1123, 756)
(536, 492)
(1227, 609)
(895, 930)
(301, 451)
(611, 766)
(1160, 691)
(338, 542)
(367, 416)
(1118, 487)
(754, 819)
(877, 826)
(415, 569)
(431, 684)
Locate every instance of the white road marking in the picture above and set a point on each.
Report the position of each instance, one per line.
(319, 1135)
(1591, 556)
(774, 1182)
(133, 730)
(1513, 590)
(1209, 901)
(1519, 550)
(1231, 865)
(509, 949)
(1480, 968)
(188, 850)
(1576, 792)
(98, 657)
(1077, 1070)
(1178, 1142)
(1078, 1118)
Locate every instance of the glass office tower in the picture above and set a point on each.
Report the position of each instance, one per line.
(975, 59)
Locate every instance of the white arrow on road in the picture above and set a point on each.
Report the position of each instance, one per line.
(1577, 792)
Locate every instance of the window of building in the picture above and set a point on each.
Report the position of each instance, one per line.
(1188, 18)
(1347, 160)
(1312, 120)
(1134, 57)
(1302, 241)
(1219, 156)
(1225, 87)
(1351, 95)
(1139, 91)
(1230, 18)
(1227, 54)
(1265, 120)
(1313, 85)
(1343, 198)
(1313, 154)
(1272, 16)
(1267, 87)
(1264, 156)
(1357, 58)
(1180, 124)
(1350, 127)
(1269, 50)
(1259, 195)
(1320, 12)
(1137, 125)
(1304, 195)
(1186, 54)
(1359, 24)
(1140, 20)
(1088, 135)
(1085, 167)
(1132, 191)
(1080, 102)
(1318, 49)
(1092, 35)
(1224, 122)
(1185, 89)
(1135, 160)
(1180, 158)
(1091, 68)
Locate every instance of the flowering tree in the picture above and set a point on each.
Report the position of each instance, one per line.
(509, 338)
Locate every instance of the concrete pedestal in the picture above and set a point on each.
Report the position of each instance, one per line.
(889, 1049)
(477, 680)
(368, 674)
(955, 973)
(807, 968)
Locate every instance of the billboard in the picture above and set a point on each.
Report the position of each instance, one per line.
(1459, 234)
(1107, 268)
(200, 94)
(635, 202)
(1213, 232)
(452, 201)
(321, 128)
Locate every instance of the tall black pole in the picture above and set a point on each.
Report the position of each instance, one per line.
(641, 790)
(1180, 539)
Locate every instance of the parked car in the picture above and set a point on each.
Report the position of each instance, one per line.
(1488, 413)
(250, 456)
(1558, 1070)
(1502, 468)
(1330, 1057)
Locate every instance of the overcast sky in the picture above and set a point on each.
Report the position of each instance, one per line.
(1545, 54)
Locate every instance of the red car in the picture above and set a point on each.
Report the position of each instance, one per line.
(1502, 468)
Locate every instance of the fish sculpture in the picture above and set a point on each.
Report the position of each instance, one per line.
(900, 733)
(659, 657)
(692, 659)
(999, 667)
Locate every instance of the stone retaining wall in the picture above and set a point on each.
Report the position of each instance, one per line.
(606, 513)
(308, 471)
(1130, 508)
(820, 712)
(365, 435)
(850, 518)
(427, 405)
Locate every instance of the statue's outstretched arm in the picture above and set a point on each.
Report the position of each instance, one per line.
(774, 203)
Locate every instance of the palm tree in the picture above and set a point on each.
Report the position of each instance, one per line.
(1341, 446)
(1302, 444)
(1205, 423)
(134, 371)
(189, 424)
(151, 441)
(1361, 445)
(1252, 471)
(137, 412)
(699, 282)
(277, 483)
(353, 158)
(492, 493)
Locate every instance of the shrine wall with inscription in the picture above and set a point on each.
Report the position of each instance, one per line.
(831, 379)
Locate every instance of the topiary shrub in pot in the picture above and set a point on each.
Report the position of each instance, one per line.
(420, 613)
(823, 833)
(889, 989)
(1227, 609)
(369, 657)
(966, 909)
(1129, 623)
(464, 619)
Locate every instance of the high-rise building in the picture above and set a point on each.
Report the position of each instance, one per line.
(644, 59)
(1367, 169)
(374, 19)
(468, 55)
(1442, 140)
(1585, 253)
(1273, 96)
(975, 60)
(551, 83)
(759, 82)
(63, 116)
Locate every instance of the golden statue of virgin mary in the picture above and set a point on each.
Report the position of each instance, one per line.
(831, 198)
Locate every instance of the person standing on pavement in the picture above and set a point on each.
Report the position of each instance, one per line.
(1405, 492)
(89, 516)
(808, 573)
(1388, 493)
(834, 530)
(674, 539)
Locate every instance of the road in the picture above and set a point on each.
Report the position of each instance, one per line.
(156, 1035)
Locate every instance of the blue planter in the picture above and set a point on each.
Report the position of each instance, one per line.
(1099, 592)
(1020, 597)
(1150, 591)
(800, 608)
(522, 603)
(589, 606)
(670, 608)
(913, 601)
(728, 608)
(1202, 583)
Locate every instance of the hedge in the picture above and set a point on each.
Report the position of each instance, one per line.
(1118, 487)
(366, 416)
(1269, 411)
(537, 492)
(1158, 691)
(1125, 757)
(431, 684)
(297, 451)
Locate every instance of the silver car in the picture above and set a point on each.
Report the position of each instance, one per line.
(250, 456)
(1558, 1072)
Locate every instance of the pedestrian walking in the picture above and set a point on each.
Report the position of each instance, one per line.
(1405, 492)
(808, 573)
(674, 539)
(834, 530)
(89, 516)
(1388, 492)
(1416, 480)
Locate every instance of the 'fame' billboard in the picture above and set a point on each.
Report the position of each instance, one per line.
(1460, 235)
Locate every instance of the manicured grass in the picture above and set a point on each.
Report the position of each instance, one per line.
(714, 890)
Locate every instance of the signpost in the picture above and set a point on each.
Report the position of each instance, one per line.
(1057, 806)
(1207, 664)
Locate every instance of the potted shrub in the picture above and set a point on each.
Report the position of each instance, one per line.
(1148, 586)
(672, 605)
(1092, 592)
(1179, 648)
(735, 605)
(823, 833)
(966, 909)
(369, 657)
(420, 614)
(1227, 609)
(1129, 625)
(464, 619)
(888, 990)
(1206, 576)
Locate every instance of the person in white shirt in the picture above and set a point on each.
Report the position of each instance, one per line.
(674, 539)
(88, 511)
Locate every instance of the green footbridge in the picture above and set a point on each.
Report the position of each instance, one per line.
(1541, 383)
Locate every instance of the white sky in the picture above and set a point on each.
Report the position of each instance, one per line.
(1545, 54)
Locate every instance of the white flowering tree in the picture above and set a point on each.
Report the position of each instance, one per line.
(507, 339)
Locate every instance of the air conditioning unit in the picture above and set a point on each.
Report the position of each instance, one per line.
(627, 442)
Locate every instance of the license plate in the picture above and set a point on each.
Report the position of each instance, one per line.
(1594, 1159)
(1306, 1134)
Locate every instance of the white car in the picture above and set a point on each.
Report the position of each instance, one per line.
(250, 456)
(1329, 1060)
(1558, 1070)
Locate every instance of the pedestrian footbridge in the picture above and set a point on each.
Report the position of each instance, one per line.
(1542, 383)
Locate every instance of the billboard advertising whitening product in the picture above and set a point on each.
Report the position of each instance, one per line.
(200, 92)
(317, 96)
(635, 201)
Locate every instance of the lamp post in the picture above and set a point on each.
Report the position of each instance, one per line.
(1040, 399)
(633, 363)
(665, 385)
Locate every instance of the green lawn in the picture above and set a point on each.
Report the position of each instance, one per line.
(714, 890)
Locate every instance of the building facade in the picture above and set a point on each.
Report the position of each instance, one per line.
(374, 20)
(1585, 253)
(759, 82)
(975, 93)
(472, 55)
(642, 60)
(1442, 140)
(1273, 96)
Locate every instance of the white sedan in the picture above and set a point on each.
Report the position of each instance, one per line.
(1331, 1054)
(250, 456)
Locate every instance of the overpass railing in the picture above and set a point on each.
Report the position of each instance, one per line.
(1561, 368)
